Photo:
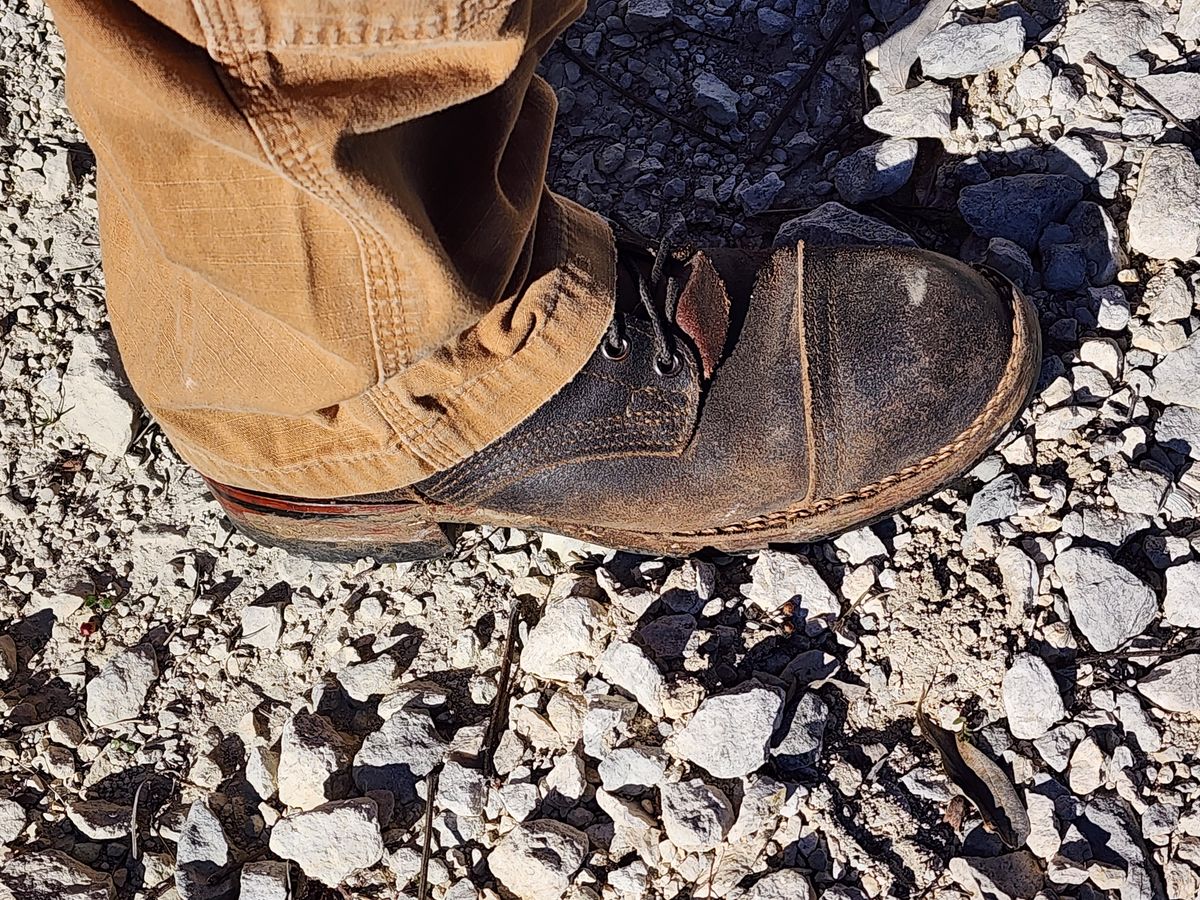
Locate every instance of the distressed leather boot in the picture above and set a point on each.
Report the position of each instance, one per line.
(739, 399)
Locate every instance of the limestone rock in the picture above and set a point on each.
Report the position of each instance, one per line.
(117, 694)
(331, 841)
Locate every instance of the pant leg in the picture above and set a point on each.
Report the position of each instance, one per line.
(333, 266)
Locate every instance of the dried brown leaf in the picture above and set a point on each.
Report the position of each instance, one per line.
(980, 779)
(898, 50)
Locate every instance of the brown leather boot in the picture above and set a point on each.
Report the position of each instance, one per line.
(738, 399)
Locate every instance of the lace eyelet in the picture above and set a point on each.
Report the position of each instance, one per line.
(673, 367)
(617, 353)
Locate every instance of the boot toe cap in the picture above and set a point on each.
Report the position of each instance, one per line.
(911, 356)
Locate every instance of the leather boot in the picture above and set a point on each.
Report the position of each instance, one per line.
(739, 399)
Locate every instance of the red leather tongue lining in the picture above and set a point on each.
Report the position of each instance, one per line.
(703, 313)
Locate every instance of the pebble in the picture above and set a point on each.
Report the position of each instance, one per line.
(995, 501)
(1109, 604)
(1181, 607)
(312, 756)
(1011, 876)
(1177, 377)
(262, 626)
(920, 112)
(1174, 685)
(785, 884)
(100, 819)
(695, 815)
(1086, 771)
(832, 224)
(878, 170)
(44, 874)
(332, 841)
(560, 647)
(756, 197)
(633, 769)
(647, 15)
(1018, 207)
(203, 856)
(96, 400)
(12, 821)
(1031, 698)
(804, 734)
(538, 860)
(627, 666)
(1164, 219)
(715, 98)
(374, 678)
(1112, 29)
(1177, 91)
(956, 51)
(405, 749)
(8, 657)
(117, 694)
(729, 733)
(1139, 491)
(265, 879)
(778, 577)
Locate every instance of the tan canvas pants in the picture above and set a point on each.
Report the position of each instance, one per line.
(333, 265)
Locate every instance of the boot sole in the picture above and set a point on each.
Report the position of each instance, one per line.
(402, 531)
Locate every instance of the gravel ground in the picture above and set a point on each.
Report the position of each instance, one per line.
(185, 714)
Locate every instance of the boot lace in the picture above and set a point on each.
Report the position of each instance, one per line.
(663, 282)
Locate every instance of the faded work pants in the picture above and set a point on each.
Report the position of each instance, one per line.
(333, 265)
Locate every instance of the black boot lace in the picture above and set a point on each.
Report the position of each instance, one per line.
(663, 279)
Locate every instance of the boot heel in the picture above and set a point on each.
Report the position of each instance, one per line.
(337, 530)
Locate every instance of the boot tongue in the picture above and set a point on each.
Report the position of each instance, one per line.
(703, 312)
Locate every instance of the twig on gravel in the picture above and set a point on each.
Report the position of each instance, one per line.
(431, 786)
(133, 825)
(1132, 85)
(495, 724)
(634, 98)
(801, 87)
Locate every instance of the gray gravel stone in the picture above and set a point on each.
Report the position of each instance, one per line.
(119, 691)
(1018, 207)
(266, 879)
(695, 815)
(47, 874)
(1138, 491)
(1164, 219)
(1181, 607)
(1174, 685)
(923, 111)
(405, 749)
(8, 657)
(729, 733)
(995, 501)
(537, 860)
(804, 734)
(832, 224)
(956, 51)
(715, 98)
(632, 768)
(1177, 378)
(1031, 699)
(647, 15)
(1109, 604)
(757, 196)
(786, 884)
(96, 398)
(204, 859)
(875, 171)
(331, 841)
(12, 821)
(100, 820)
(312, 756)
(1177, 91)
(1112, 29)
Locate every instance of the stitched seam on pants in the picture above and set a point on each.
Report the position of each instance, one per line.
(280, 139)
